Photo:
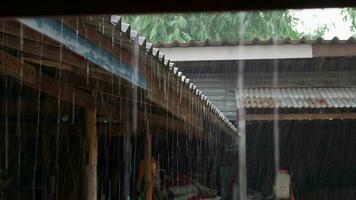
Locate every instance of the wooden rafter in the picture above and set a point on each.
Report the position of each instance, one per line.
(29, 76)
(154, 90)
(187, 101)
(180, 100)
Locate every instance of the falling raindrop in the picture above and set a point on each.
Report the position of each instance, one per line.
(242, 192)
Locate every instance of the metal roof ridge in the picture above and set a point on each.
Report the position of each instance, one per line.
(152, 50)
(255, 41)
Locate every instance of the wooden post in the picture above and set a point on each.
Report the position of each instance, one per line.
(148, 154)
(91, 137)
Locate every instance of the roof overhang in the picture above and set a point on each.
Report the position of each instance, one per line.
(91, 51)
(257, 50)
(77, 45)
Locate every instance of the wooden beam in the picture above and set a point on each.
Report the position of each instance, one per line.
(50, 57)
(32, 45)
(301, 116)
(28, 75)
(334, 50)
(92, 143)
(46, 55)
(77, 24)
(90, 73)
(29, 107)
(28, 129)
(188, 107)
(40, 49)
(89, 49)
(13, 27)
(154, 90)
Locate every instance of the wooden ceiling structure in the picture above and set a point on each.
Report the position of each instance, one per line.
(62, 68)
(168, 103)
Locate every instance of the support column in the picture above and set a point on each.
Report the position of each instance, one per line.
(242, 155)
(148, 154)
(242, 162)
(92, 142)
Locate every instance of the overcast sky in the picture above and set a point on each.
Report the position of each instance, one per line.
(312, 18)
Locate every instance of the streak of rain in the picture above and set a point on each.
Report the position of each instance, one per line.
(92, 110)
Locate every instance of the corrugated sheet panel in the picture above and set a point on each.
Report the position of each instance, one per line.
(297, 98)
(256, 41)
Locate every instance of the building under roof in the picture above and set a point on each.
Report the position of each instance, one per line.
(323, 68)
(305, 89)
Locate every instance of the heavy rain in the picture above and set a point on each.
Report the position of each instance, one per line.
(230, 105)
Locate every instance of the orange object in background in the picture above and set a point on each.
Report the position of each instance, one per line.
(141, 174)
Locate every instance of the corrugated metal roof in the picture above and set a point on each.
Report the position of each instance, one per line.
(151, 50)
(298, 98)
(256, 41)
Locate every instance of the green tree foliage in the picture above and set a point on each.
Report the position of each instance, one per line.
(215, 26)
(317, 32)
(349, 14)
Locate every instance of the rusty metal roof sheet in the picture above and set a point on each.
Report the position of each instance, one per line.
(297, 98)
(255, 41)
